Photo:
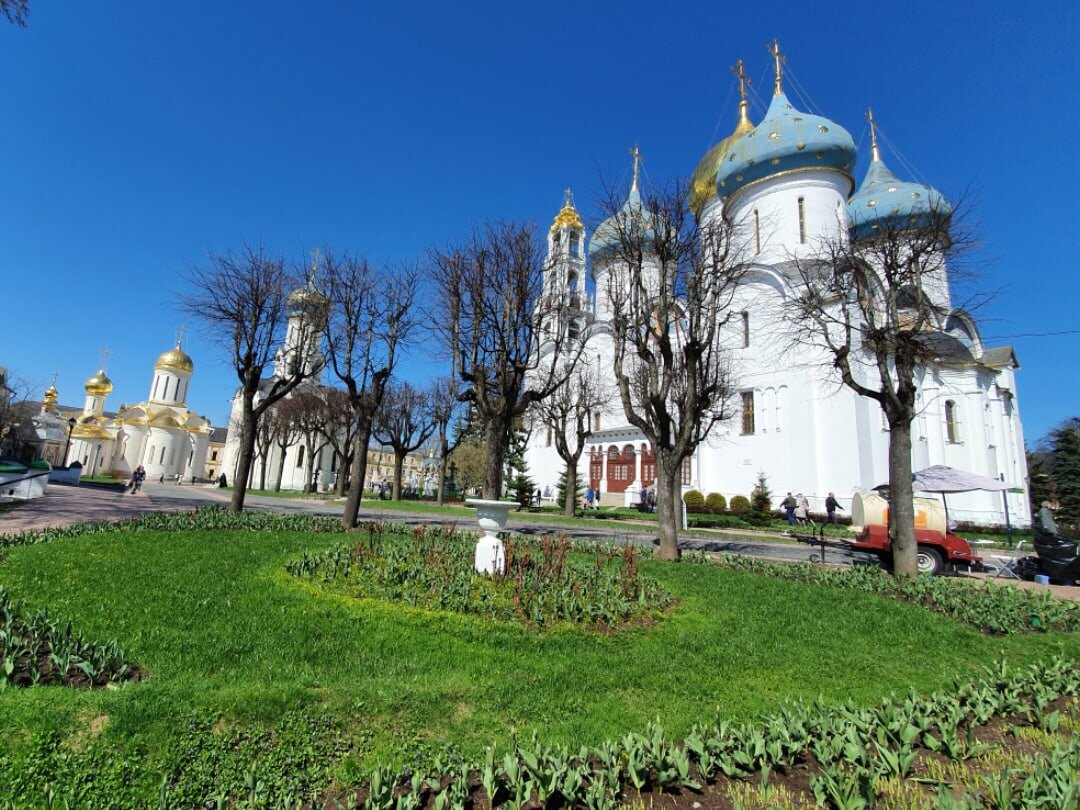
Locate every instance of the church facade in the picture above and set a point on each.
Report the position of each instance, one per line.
(160, 434)
(794, 421)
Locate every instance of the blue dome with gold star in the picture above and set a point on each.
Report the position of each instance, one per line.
(883, 202)
(786, 140)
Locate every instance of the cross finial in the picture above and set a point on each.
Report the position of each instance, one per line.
(740, 73)
(316, 254)
(181, 330)
(875, 155)
(105, 357)
(637, 165)
(568, 198)
(774, 49)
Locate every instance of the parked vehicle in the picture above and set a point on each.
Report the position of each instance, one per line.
(938, 550)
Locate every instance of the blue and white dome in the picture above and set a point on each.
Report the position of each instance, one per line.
(883, 202)
(612, 233)
(786, 140)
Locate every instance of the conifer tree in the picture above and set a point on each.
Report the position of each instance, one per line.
(1065, 444)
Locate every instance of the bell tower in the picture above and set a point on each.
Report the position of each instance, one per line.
(564, 301)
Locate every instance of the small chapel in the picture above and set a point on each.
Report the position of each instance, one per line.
(160, 434)
(789, 183)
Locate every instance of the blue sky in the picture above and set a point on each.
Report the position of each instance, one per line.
(137, 136)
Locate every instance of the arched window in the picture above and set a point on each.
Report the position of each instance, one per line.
(300, 456)
(574, 243)
(802, 220)
(757, 231)
(952, 422)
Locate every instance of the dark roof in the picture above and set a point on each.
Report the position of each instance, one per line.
(998, 356)
(219, 434)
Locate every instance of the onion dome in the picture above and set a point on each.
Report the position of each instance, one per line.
(51, 394)
(309, 296)
(786, 140)
(703, 180)
(883, 201)
(632, 220)
(175, 359)
(568, 216)
(99, 384)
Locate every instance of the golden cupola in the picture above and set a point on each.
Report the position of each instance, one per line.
(703, 180)
(568, 216)
(99, 385)
(175, 359)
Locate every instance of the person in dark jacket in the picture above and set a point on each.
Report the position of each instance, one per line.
(831, 505)
(789, 503)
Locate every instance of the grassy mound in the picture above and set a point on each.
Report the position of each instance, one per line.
(233, 644)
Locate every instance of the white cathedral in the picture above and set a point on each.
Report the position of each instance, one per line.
(160, 434)
(808, 433)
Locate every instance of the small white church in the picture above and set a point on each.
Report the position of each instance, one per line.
(160, 434)
(804, 430)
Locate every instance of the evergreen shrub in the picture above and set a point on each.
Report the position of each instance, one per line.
(694, 500)
(740, 504)
(716, 503)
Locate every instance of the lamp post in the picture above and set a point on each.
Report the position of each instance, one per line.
(71, 426)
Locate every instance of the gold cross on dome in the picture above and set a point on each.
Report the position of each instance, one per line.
(181, 330)
(105, 357)
(875, 155)
(568, 198)
(638, 160)
(740, 74)
(774, 49)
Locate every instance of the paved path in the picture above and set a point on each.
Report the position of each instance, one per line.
(64, 505)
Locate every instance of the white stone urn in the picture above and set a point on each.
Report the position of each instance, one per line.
(492, 517)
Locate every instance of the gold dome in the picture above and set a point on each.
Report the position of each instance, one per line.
(175, 359)
(567, 216)
(51, 394)
(98, 385)
(703, 180)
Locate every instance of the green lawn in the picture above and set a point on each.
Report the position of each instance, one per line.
(230, 640)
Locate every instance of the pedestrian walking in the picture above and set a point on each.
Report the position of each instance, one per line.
(831, 505)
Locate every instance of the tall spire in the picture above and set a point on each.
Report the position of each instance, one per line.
(744, 81)
(875, 155)
(637, 162)
(774, 49)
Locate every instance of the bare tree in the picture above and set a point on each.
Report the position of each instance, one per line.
(444, 407)
(283, 432)
(404, 423)
(490, 321)
(669, 283)
(372, 319)
(876, 303)
(310, 420)
(568, 415)
(264, 442)
(339, 431)
(242, 302)
(16, 11)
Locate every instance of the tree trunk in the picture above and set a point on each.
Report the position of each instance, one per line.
(358, 473)
(280, 469)
(399, 463)
(342, 474)
(667, 517)
(570, 496)
(901, 508)
(442, 470)
(247, 452)
(494, 458)
(262, 471)
(309, 469)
